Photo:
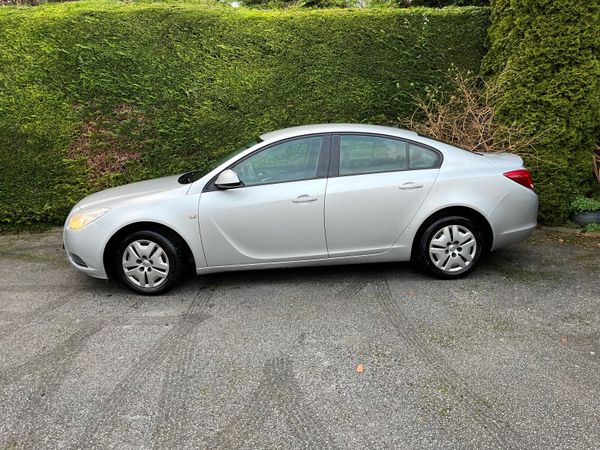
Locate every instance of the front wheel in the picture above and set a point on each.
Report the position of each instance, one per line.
(149, 263)
(450, 247)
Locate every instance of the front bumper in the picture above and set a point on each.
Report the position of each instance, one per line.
(85, 249)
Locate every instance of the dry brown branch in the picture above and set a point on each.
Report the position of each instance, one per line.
(466, 118)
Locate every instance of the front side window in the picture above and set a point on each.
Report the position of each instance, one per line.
(293, 160)
(371, 154)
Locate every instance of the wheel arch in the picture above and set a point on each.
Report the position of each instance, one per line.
(113, 242)
(464, 211)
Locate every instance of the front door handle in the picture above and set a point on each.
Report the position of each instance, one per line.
(305, 198)
(410, 185)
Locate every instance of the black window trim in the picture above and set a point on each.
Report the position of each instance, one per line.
(323, 164)
(334, 165)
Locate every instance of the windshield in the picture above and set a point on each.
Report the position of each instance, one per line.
(190, 177)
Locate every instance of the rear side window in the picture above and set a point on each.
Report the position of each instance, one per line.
(423, 157)
(371, 154)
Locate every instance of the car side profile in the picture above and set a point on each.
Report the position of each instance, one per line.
(308, 195)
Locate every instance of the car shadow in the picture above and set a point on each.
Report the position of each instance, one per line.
(323, 275)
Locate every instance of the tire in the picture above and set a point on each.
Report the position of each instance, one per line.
(450, 247)
(150, 263)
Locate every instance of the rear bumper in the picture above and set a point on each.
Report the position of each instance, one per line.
(515, 217)
(85, 249)
(512, 236)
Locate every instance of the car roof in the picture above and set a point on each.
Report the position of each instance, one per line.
(336, 128)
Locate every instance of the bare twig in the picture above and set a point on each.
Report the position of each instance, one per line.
(466, 117)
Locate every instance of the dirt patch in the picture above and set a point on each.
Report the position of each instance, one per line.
(109, 142)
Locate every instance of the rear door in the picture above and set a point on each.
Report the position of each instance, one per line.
(376, 186)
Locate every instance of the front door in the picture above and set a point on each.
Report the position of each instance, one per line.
(277, 214)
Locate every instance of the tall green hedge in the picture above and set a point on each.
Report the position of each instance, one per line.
(545, 56)
(443, 3)
(96, 94)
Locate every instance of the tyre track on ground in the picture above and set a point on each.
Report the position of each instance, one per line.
(177, 390)
(352, 288)
(26, 318)
(86, 286)
(278, 390)
(250, 418)
(169, 345)
(501, 431)
(299, 415)
(49, 371)
(56, 246)
(57, 357)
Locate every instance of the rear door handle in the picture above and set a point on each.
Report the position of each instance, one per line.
(305, 198)
(410, 185)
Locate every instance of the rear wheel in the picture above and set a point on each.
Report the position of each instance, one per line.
(150, 263)
(450, 247)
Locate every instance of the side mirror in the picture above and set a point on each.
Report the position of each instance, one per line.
(227, 179)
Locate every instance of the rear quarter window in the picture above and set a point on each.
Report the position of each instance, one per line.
(423, 157)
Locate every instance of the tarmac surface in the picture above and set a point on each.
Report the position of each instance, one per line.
(376, 356)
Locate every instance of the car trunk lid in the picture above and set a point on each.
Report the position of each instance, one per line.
(504, 160)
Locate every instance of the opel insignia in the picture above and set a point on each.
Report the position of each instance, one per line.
(309, 195)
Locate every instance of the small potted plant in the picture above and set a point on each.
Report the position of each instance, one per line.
(585, 210)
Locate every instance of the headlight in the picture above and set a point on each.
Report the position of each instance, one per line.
(81, 219)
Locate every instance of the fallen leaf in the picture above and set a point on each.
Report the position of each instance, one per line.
(561, 241)
(563, 339)
(360, 368)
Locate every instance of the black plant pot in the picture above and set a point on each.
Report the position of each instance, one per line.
(586, 218)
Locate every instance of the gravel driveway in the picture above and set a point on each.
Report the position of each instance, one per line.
(509, 357)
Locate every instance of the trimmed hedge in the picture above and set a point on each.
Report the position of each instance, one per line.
(443, 3)
(369, 3)
(94, 95)
(545, 56)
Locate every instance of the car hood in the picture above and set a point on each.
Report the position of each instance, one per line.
(132, 191)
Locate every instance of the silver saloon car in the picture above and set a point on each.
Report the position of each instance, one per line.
(309, 195)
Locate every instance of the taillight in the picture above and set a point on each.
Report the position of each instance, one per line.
(521, 176)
